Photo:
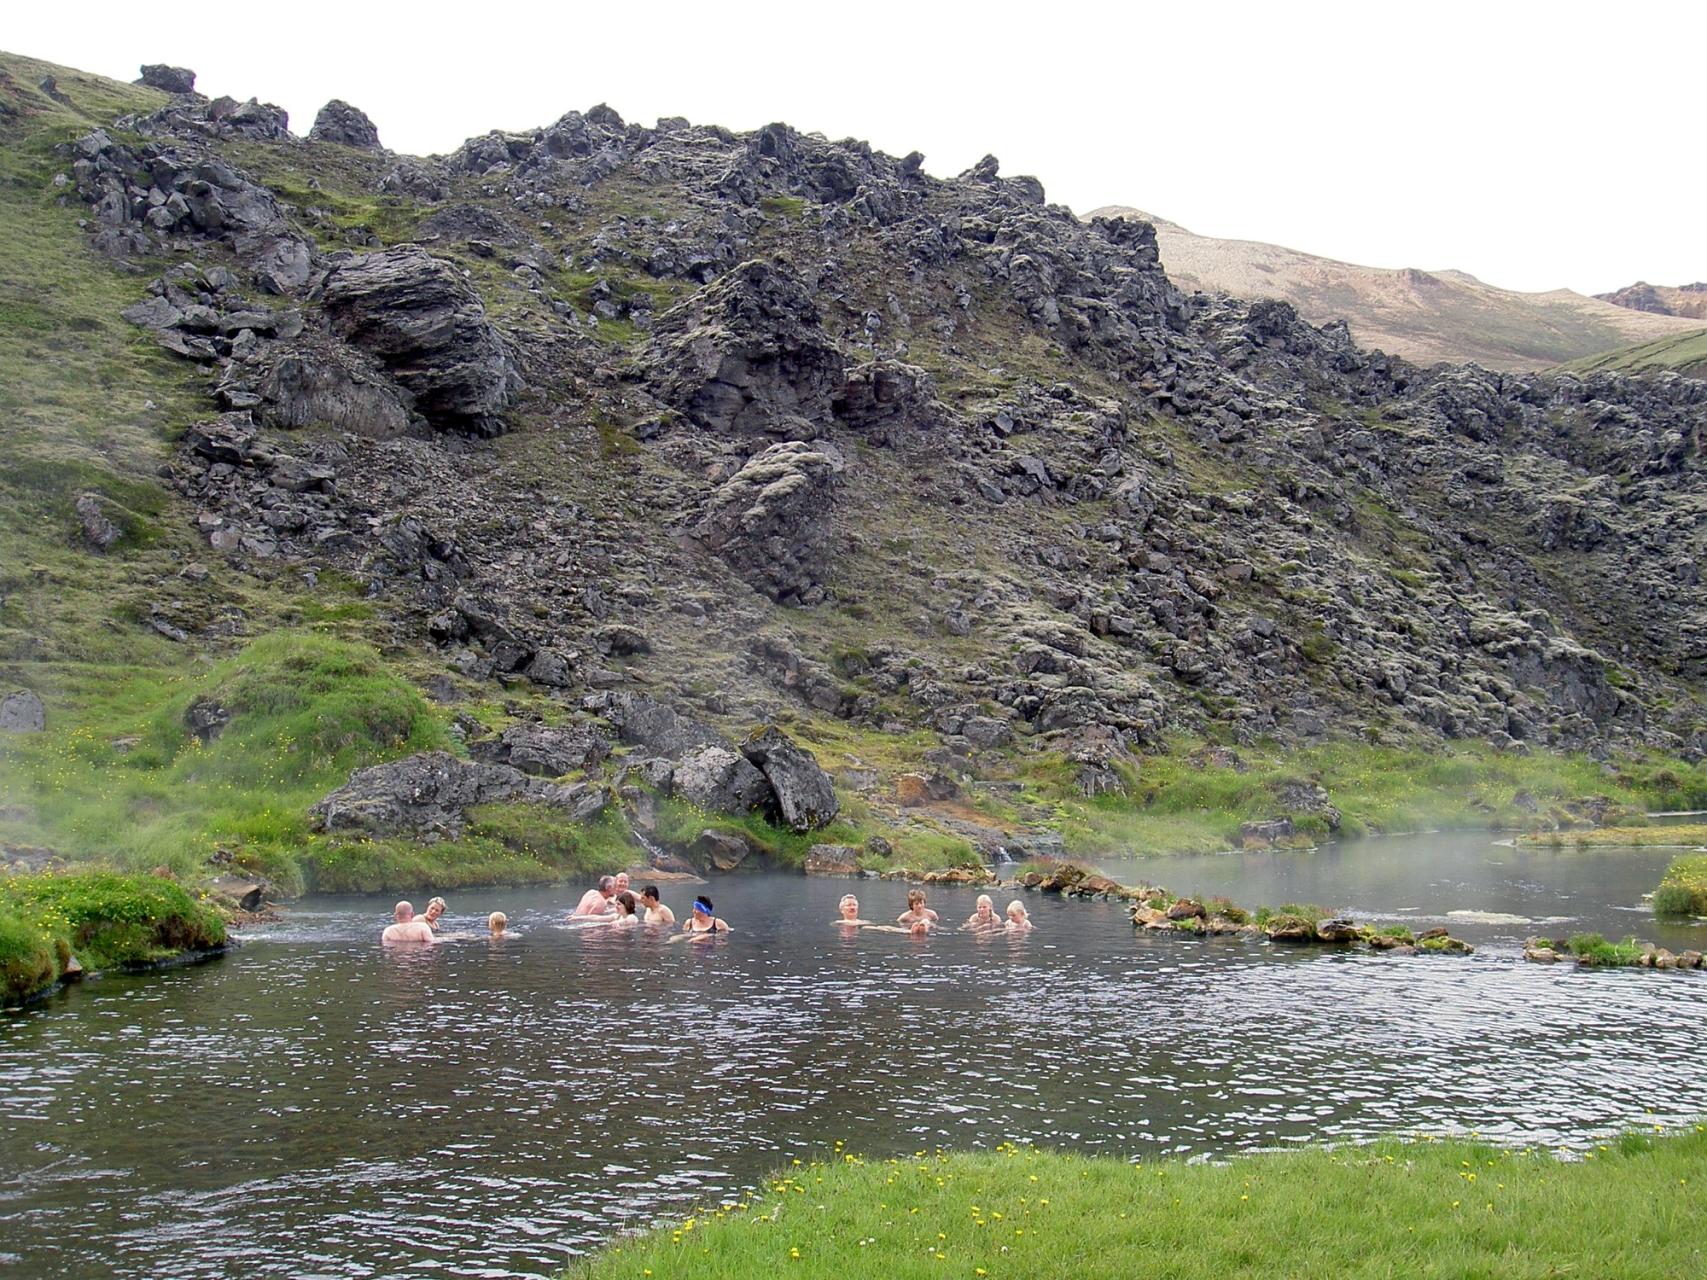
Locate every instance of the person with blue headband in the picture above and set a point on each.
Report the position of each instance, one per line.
(703, 921)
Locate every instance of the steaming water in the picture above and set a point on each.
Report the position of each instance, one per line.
(313, 1106)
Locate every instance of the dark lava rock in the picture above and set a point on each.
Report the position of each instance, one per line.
(206, 719)
(231, 439)
(429, 794)
(770, 521)
(98, 531)
(649, 723)
(619, 640)
(805, 797)
(721, 850)
(416, 315)
(22, 712)
(348, 126)
(1338, 930)
(315, 381)
(748, 354)
(157, 75)
(544, 750)
(887, 394)
(719, 780)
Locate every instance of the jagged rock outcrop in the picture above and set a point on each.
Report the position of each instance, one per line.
(649, 723)
(316, 381)
(157, 75)
(1076, 509)
(544, 750)
(805, 797)
(770, 521)
(885, 398)
(719, 780)
(348, 126)
(748, 355)
(429, 795)
(414, 314)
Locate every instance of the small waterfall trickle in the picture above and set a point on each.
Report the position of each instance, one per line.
(655, 855)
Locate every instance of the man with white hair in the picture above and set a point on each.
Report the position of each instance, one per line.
(405, 928)
(597, 902)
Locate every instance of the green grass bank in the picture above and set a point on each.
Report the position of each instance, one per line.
(1678, 835)
(1195, 798)
(104, 919)
(1630, 1208)
(1683, 888)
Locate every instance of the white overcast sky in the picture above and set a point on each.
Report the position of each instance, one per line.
(1535, 145)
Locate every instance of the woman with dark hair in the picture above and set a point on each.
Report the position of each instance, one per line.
(703, 922)
(624, 915)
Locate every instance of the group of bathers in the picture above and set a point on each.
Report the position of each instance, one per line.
(920, 921)
(612, 904)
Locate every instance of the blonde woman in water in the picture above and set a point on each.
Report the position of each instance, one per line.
(985, 917)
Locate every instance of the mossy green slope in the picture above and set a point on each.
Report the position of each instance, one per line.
(128, 779)
(1684, 353)
(1629, 1208)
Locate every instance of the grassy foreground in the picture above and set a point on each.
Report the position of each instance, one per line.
(104, 919)
(1631, 1208)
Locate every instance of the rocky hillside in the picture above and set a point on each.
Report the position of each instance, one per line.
(649, 434)
(1688, 301)
(1424, 316)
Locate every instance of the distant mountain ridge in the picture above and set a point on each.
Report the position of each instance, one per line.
(1425, 316)
(1688, 300)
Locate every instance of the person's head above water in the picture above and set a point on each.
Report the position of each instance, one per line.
(702, 906)
(403, 912)
(435, 908)
(849, 907)
(650, 895)
(1017, 911)
(621, 879)
(985, 906)
(915, 897)
(497, 922)
(607, 886)
(625, 903)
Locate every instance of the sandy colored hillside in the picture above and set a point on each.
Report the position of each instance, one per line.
(1422, 315)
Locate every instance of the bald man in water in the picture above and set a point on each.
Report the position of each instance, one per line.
(404, 926)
